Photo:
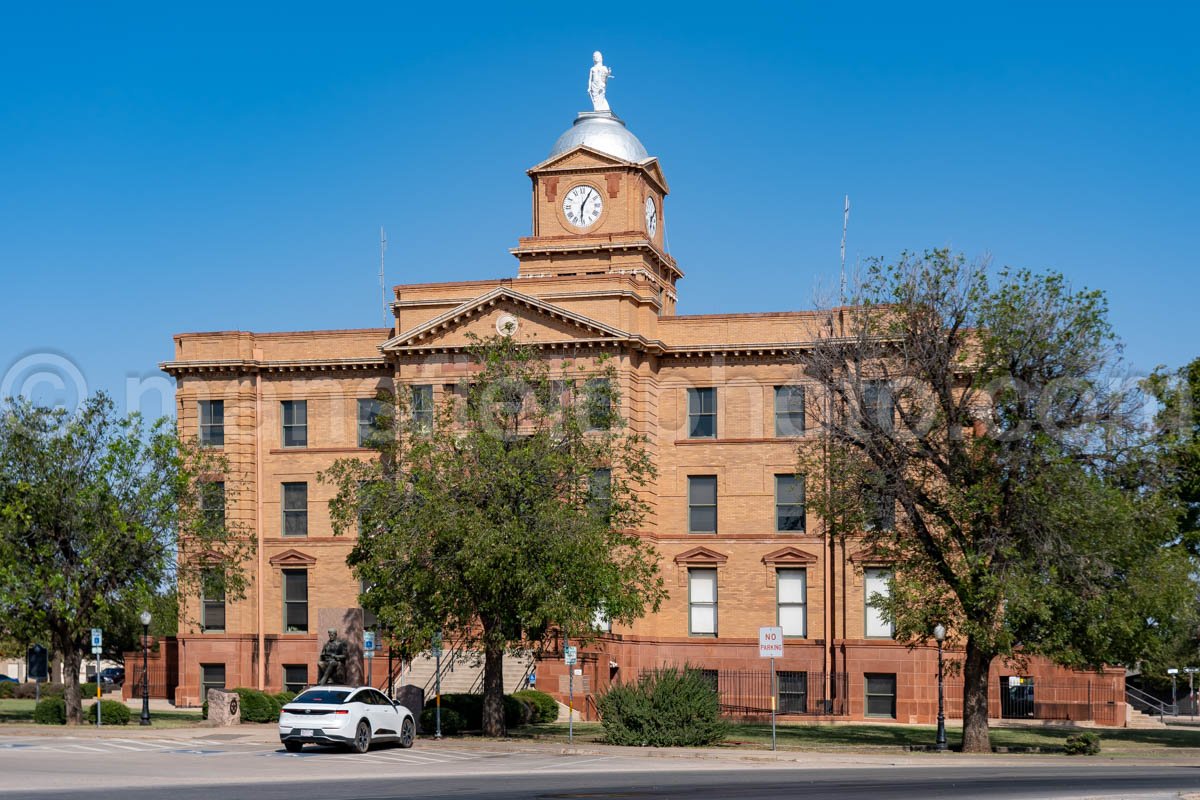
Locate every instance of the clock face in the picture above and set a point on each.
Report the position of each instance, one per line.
(651, 217)
(582, 206)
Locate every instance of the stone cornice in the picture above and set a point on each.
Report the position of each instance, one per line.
(249, 366)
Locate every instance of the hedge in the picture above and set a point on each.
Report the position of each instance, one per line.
(545, 707)
(112, 712)
(258, 706)
(7, 690)
(664, 708)
(51, 711)
(452, 721)
(283, 698)
(517, 712)
(29, 690)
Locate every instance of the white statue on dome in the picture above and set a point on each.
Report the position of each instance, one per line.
(597, 79)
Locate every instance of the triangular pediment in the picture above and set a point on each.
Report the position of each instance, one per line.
(580, 156)
(789, 555)
(292, 558)
(701, 556)
(505, 310)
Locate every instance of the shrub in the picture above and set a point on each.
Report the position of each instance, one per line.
(51, 711)
(467, 706)
(7, 690)
(257, 706)
(88, 690)
(204, 710)
(517, 712)
(545, 708)
(112, 712)
(29, 691)
(283, 698)
(452, 721)
(1082, 744)
(664, 708)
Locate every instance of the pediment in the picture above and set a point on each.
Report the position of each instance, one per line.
(789, 555)
(537, 322)
(870, 556)
(292, 558)
(580, 156)
(701, 556)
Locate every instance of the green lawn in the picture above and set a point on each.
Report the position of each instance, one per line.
(21, 712)
(1114, 741)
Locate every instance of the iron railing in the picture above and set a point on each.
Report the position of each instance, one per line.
(800, 692)
(1149, 704)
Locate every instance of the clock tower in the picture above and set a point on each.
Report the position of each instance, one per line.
(598, 208)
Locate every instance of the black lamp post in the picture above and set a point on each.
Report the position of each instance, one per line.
(145, 668)
(939, 633)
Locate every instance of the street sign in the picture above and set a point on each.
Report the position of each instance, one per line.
(97, 651)
(37, 663)
(770, 642)
(436, 650)
(570, 655)
(97, 638)
(369, 642)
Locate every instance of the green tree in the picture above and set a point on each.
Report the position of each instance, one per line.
(91, 509)
(506, 519)
(973, 433)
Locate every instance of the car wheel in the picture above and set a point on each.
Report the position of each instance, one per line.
(408, 731)
(362, 738)
(293, 747)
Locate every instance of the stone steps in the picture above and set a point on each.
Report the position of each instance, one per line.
(1141, 720)
(462, 674)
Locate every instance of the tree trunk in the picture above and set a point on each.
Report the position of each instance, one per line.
(72, 659)
(493, 690)
(975, 700)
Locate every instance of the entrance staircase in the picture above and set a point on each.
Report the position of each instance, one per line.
(1143, 710)
(462, 671)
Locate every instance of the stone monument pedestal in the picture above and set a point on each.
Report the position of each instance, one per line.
(224, 708)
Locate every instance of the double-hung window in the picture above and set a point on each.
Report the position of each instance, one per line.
(879, 405)
(789, 503)
(422, 408)
(702, 602)
(212, 603)
(702, 504)
(702, 413)
(295, 509)
(212, 423)
(877, 585)
(295, 601)
(789, 410)
(881, 694)
(294, 414)
(791, 587)
(212, 504)
(369, 412)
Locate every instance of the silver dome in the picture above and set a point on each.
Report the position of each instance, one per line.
(603, 131)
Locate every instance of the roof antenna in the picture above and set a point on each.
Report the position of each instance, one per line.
(383, 285)
(845, 223)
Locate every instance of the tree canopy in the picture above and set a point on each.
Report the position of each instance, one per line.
(91, 509)
(987, 411)
(504, 518)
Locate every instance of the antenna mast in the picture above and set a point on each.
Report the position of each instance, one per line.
(845, 223)
(383, 284)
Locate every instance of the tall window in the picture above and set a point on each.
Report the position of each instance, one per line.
(702, 504)
(295, 423)
(369, 412)
(877, 582)
(702, 413)
(702, 602)
(789, 410)
(422, 407)
(791, 589)
(793, 692)
(789, 502)
(295, 678)
(212, 603)
(881, 695)
(295, 601)
(295, 509)
(212, 504)
(212, 423)
(600, 621)
(600, 491)
(879, 406)
(881, 510)
(212, 676)
(598, 399)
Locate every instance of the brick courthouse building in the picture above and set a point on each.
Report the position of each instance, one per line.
(719, 397)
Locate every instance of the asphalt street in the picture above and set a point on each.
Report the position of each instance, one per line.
(214, 768)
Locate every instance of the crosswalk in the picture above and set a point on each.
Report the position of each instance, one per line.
(67, 744)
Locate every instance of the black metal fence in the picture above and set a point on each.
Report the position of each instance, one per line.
(1095, 699)
(750, 692)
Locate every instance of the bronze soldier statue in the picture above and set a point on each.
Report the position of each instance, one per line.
(331, 666)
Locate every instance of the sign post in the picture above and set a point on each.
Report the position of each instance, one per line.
(369, 654)
(770, 645)
(570, 656)
(97, 646)
(437, 686)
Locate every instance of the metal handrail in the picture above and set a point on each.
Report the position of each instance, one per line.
(1146, 702)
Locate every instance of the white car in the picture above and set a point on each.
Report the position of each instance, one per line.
(354, 716)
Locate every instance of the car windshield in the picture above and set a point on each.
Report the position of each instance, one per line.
(329, 697)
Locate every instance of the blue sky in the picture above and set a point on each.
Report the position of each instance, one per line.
(167, 169)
